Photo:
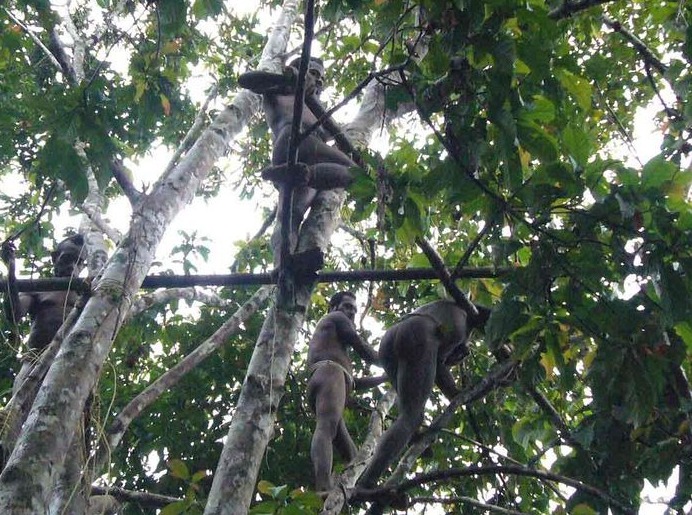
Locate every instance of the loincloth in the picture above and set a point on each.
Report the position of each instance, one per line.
(325, 362)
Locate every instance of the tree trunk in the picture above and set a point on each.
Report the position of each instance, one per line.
(32, 470)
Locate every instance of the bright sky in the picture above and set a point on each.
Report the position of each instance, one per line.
(226, 219)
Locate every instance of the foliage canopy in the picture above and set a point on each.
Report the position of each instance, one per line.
(512, 146)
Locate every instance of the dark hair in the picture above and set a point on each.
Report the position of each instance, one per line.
(72, 244)
(315, 63)
(338, 297)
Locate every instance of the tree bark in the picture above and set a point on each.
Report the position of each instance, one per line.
(38, 458)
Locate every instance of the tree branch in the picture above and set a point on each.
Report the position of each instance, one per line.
(465, 500)
(268, 221)
(95, 216)
(569, 7)
(446, 279)
(124, 179)
(171, 377)
(145, 498)
(494, 379)
(144, 302)
(638, 44)
(36, 40)
(167, 281)
(195, 130)
(491, 381)
(441, 475)
(554, 416)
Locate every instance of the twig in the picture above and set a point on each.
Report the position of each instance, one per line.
(137, 405)
(96, 218)
(469, 250)
(325, 115)
(38, 216)
(465, 500)
(36, 40)
(554, 416)
(637, 43)
(145, 498)
(568, 8)
(194, 131)
(449, 148)
(517, 471)
(260, 232)
(446, 279)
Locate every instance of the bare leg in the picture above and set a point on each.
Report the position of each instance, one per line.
(330, 397)
(344, 443)
(415, 379)
(328, 176)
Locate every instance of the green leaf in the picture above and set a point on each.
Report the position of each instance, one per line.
(505, 318)
(174, 508)
(178, 469)
(577, 86)
(684, 331)
(265, 487)
(540, 109)
(583, 509)
(657, 172)
(578, 144)
(264, 508)
(198, 476)
(536, 140)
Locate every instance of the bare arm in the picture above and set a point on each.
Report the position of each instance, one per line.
(445, 381)
(347, 334)
(364, 383)
(457, 354)
(268, 83)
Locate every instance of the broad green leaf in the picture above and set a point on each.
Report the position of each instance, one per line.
(577, 86)
(583, 509)
(657, 172)
(577, 144)
(534, 138)
(174, 508)
(540, 109)
(265, 487)
(684, 331)
(178, 469)
(264, 508)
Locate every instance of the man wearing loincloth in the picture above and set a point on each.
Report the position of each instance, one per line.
(331, 381)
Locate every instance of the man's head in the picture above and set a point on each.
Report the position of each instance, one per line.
(315, 71)
(67, 256)
(344, 301)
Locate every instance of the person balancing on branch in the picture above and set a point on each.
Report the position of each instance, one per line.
(417, 353)
(319, 166)
(331, 381)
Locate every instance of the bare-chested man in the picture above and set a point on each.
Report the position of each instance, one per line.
(331, 381)
(47, 309)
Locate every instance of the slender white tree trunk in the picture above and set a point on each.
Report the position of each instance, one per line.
(38, 458)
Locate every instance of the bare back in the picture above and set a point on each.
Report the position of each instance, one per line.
(441, 323)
